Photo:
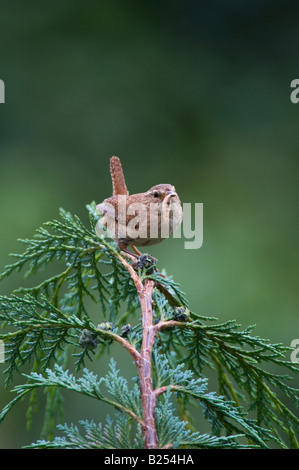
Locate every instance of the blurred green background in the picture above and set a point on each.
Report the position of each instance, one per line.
(196, 94)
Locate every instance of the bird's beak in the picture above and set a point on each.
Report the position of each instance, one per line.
(168, 194)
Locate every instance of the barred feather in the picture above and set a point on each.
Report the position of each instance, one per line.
(118, 178)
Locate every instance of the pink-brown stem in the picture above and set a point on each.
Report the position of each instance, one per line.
(143, 362)
(148, 396)
(160, 390)
(143, 359)
(125, 344)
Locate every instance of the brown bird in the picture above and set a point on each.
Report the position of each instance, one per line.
(141, 219)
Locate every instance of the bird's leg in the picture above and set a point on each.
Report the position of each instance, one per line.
(136, 251)
(132, 256)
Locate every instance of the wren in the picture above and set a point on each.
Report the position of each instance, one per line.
(141, 219)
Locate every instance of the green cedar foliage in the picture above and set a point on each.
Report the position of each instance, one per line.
(49, 324)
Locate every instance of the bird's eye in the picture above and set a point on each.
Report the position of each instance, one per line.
(156, 194)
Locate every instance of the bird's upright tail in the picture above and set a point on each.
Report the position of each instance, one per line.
(118, 178)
